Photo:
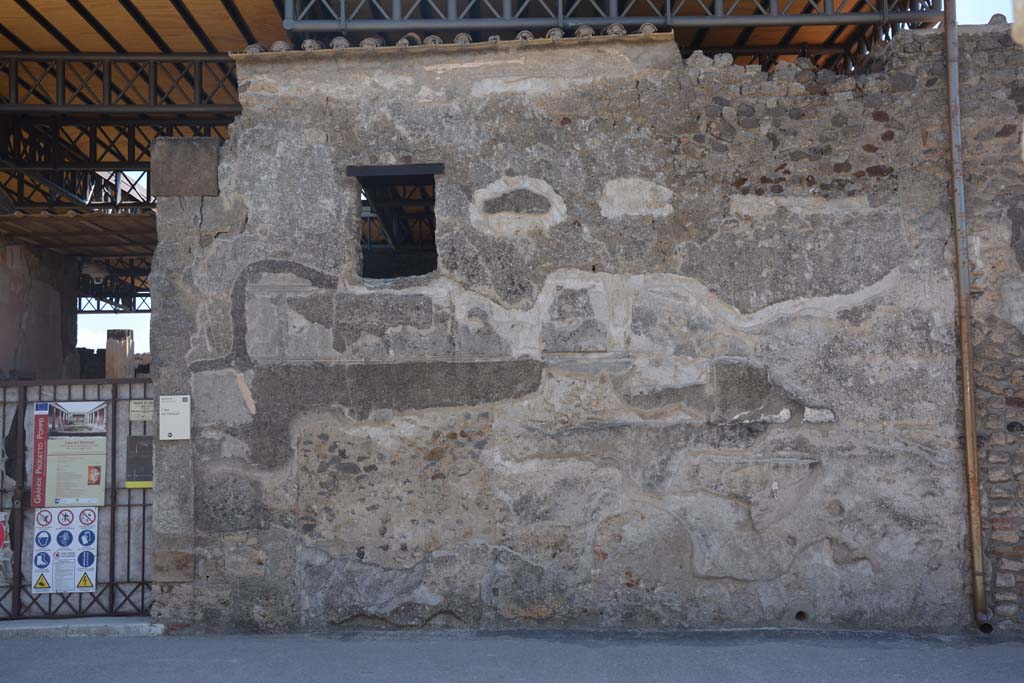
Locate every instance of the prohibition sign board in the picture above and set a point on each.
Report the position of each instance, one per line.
(64, 558)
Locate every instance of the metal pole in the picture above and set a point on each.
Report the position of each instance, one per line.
(59, 68)
(963, 291)
(107, 67)
(21, 495)
(197, 84)
(112, 431)
(12, 84)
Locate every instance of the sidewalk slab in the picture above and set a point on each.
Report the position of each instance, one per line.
(86, 627)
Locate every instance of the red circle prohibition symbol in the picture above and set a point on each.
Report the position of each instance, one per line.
(44, 517)
(87, 517)
(66, 517)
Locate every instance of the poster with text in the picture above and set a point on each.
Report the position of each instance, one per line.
(64, 550)
(69, 453)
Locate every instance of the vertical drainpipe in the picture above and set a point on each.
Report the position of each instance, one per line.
(963, 292)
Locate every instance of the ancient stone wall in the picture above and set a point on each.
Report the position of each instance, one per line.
(993, 101)
(37, 314)
(688, 360)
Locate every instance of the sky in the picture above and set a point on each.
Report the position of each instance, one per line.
(92, 329)
(980, 11)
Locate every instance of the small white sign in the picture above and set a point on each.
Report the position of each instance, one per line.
(175, 418)
(140, 410)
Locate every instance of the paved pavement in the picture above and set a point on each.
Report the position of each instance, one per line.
(761, 656)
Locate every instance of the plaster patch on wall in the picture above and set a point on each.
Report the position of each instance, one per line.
(243, 389)
(441, 68)
(526, 86)
(1012, 307)
(515, 224)
(818, 415)
(635, 197)
(755, 207)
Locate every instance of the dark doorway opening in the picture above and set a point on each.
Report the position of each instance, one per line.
(396, 220)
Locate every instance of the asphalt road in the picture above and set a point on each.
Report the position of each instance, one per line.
(762, 656)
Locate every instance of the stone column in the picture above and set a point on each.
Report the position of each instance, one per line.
(1018, 21)
(184, 170)
(120, 357)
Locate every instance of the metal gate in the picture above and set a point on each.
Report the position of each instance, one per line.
(124, 560)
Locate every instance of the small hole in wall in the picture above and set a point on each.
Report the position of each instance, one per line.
(985, 627)
(397, 226)
(800, 616)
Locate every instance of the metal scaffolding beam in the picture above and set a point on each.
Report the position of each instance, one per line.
(341, 16)
(104, 84)
(99, 163)
(113, 144)
(124, 289)
(75, 189)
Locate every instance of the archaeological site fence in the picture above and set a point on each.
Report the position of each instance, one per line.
(124, 522)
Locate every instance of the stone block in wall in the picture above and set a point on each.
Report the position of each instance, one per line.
(288, 318)
(185, 167)
(575, 322)
(173, 566)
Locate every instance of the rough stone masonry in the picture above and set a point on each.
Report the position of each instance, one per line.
(688, 359)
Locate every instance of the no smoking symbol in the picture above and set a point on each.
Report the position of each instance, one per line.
(44, 517)
(66, 517)
(87, 517)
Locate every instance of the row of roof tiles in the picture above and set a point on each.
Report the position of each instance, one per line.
(411, 39)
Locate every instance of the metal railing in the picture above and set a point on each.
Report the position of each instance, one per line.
(467, 15)
(85, 83)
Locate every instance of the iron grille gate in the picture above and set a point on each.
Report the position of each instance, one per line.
(125, 561)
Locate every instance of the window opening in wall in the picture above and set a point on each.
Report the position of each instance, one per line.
(396, 219)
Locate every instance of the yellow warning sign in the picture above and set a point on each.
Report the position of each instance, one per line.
(84, 582)
(41, 583)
